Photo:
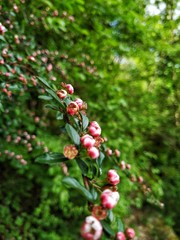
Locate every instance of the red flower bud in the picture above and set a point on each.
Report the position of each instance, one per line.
(120, 236)
(72, 108)
(130, 233)
(61, 94)
(69, 88)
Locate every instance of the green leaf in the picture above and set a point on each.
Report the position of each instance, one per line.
(73, 134)
(120, 225)
(85, 121)
(59, 116)
(44, 82)
(72, 182)
(94, 193)
(2, 38)
(108, 228)
(99, 161)
(1, 107)
(45, 97)
(110, 215)
(83, 166)
(54, 107)
(51, 158)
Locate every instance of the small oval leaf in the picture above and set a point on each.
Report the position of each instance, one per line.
(51, 158)
(73, 134)
(83, 166)
(72, 182)
(45, 97)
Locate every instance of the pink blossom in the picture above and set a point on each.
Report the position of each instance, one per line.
(109, 199)
(113, 177)
(94, 129)
(93, 152)
(87, 141)
(91, 229)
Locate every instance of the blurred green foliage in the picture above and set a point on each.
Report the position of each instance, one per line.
(123, 61)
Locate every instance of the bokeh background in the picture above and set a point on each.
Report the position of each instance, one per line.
(122, 59)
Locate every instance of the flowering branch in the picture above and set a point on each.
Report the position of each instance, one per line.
(89, 151)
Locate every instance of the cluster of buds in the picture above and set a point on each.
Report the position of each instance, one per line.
(129, 234)
(92, 140)
(18, 157)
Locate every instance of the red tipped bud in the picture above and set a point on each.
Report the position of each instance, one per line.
(94, 129)
(72, 108)
(113, 177)
(61, 94)
(69, 88)
(130, 233)
(120, 236)
(93, 152)
(87, 141)
(91, 229)
(109, 199)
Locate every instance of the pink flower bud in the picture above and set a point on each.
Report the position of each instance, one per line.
(61, 94)
(2, 29)
(87, 141)
(93, 152)
(120, 236)
(140, 179)
(94, 129)
(72, 108)
(109, 152)
(2, 61)
(79, 102)
(133, 178)
(23, 162)
(69, 88)
(37, 119)
(128, 166)
(123, 165)
(130, 233)
(113, 177)
(91, 229)
(117, 153)
(49, 67)
(109, 199)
